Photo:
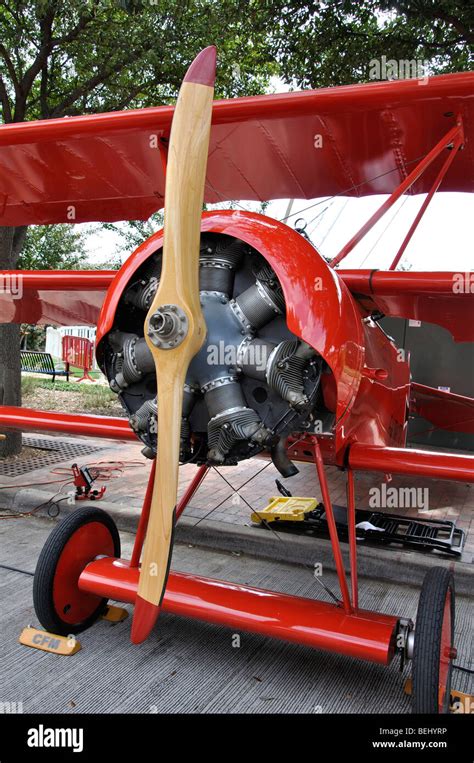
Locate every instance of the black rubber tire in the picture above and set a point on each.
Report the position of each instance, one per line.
(45, 571)
(427, 646)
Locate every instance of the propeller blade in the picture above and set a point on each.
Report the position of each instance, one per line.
(174, 327)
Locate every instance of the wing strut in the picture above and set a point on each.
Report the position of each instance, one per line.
(453, 141)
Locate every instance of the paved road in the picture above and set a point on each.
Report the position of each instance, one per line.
(189, 666)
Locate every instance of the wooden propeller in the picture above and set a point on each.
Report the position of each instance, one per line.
(174, 327)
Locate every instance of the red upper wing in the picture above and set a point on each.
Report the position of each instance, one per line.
(109, 167)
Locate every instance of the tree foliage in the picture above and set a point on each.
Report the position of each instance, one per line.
(52, 247)
(133, 233)
(67, 57)
(320, 44)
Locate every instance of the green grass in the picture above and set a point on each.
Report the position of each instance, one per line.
(74, 371)
(79, 373)
(95, 396)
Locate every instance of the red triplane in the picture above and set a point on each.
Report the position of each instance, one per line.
(227, 335)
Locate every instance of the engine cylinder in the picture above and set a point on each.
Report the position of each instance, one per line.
(141, 294)
(263, 301)
(139, 420)
(253, 357)
(223, 397)
(218, 262)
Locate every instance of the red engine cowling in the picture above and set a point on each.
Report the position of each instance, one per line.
(363, 383)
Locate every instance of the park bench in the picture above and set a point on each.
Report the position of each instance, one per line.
(41, 363)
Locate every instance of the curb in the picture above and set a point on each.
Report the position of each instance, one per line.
(404, 566)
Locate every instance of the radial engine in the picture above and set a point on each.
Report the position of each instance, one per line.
(252, 383)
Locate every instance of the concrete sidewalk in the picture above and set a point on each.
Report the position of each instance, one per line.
(219, 517)
(189, 666)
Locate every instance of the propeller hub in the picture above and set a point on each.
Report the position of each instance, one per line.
(168, 327)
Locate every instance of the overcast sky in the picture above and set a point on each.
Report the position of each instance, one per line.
(443, 240)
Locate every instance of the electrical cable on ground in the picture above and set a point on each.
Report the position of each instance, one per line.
(100, 470)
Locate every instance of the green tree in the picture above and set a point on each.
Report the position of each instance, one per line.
(32, 337)
(52, 247)
(49, 247)
(132, 233)
(66, 57)
(321, 44)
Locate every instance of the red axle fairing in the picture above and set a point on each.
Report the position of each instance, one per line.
(366, 635)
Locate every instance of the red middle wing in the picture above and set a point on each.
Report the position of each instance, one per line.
(53, 297)
(446, 299)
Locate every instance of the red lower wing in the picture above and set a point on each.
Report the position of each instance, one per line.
(444, 409)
